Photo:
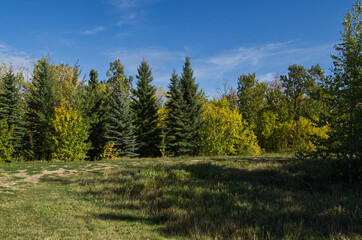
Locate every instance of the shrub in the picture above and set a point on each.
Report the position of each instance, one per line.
(6, 145)
(224, 132)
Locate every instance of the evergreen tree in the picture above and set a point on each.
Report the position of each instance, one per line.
(192, 108)
(96, 114)
(11, 106)
(120, 130)
(144, 105)
(345, 91)
(93, 79)
(44, 96)
(176, 141)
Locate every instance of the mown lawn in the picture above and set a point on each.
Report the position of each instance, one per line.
(269, 197)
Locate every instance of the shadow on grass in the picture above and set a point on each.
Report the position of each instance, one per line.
(232, 198)
(126, 217)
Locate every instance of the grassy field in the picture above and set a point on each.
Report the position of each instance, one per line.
(269, 197)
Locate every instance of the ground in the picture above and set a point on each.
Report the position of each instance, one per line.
(268, 197)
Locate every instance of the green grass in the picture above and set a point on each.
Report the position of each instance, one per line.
(270, 197)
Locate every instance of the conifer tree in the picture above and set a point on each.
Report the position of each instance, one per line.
(120, 130)
(144, 106)
(176, 142)
(192, 110)
(345, 94)
(44, 96)
(96, 114)
(11, 107)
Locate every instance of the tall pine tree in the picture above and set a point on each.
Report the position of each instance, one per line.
(345, 90)
(44, 96)
(192, 109)
(96, 114)
(176, 141)
(11, 106)
(120, 130)
(144, 105)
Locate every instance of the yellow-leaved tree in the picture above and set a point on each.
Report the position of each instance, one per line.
(6, 144)
(67, 140)
(300, 135)
(224, 132)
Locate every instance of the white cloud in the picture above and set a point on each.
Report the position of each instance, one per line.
(127, 4)
(253, 59)
(93, 30)
(268, 77)
(265, 61)
(131, 12)
(19, 60)
(128, 18)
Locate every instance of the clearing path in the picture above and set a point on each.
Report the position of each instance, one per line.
(18, 180)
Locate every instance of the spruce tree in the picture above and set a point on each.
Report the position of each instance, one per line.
(96, 114)
(11, 108)
(120, 130)
(345, 94)
(44, 96)
(192, 109)
(144, 106)
(176, 141)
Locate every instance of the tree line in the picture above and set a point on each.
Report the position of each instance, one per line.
(56, 115)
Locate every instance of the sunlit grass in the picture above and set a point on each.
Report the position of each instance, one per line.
(269, 197)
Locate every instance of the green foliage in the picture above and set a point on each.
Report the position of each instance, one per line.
(300, 90)
(116, 74)
(68, 135)
(251, 98)
(43, 97)
(11, 107)
(276, 101)
(176, 139)
(192, 111)
(224, 132)
(302, 135)
(344, 90)
(144, 106)
(96, 108)
(120, 129)
(6, 143)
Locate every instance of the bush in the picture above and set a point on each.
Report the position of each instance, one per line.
(6, 145)
(224, 132)
(67, 141)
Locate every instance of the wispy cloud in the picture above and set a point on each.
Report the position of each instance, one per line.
(19, 60)
(94, 30)
(266, 57)
(268, 77)
(265, 61)
(127, 4)
(131, 11)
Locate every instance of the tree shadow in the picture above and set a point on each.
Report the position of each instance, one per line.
(224, 198)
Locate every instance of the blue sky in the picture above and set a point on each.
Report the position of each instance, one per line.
(223, 38)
